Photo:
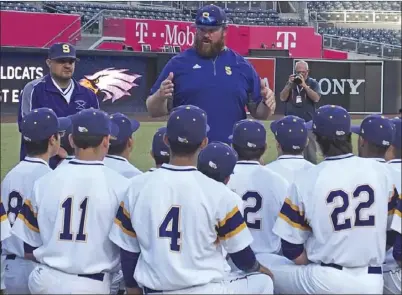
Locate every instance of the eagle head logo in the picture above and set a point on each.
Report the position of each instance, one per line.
(112, 83)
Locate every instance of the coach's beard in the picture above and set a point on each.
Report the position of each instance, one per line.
(208, 49)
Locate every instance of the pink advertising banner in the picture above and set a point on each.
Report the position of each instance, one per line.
(302, 42)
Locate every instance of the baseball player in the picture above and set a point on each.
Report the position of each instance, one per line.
(376, 137)
(376, 133)
(66, 145)
(392, 282)
(5, 233)
(262, 190)
(217, 161)
(291, 138)
(40, 131)
(159, 151)
(120, 149)
(171, 221)
(393, 154)
(333, 226)
(66, 220)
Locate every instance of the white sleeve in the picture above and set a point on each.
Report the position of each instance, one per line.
(231, 228)
(122, 232)
(397, 217)
(5, 224)
(291, 225)
(26, 225)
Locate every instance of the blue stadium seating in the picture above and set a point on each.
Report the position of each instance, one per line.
(88, 10)
(354, 5)
(392, 37)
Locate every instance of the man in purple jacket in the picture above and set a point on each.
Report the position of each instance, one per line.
(57, 91)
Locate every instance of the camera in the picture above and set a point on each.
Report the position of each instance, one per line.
(297, 79)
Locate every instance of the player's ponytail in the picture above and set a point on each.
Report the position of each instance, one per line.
(335, 147)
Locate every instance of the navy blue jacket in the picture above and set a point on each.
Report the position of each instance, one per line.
(43, 93)
(221, 86)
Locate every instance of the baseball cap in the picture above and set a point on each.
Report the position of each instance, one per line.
(159, 147)
(64, 142)
(126, 127)
(62, 50)
(40, 124)
(290, 132)
(93, 122)
(187, 125)
(249, 133)
(217, 160)
(210, 16)
(331, 121)
(376, 129)
(397, 122)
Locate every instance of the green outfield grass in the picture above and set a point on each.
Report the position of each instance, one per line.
(10, 145)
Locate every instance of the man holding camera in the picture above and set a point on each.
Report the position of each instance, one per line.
(301, 94)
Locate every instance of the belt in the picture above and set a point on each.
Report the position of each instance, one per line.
(370, 269)
(150, 291)
(95, 276)
(11, 257)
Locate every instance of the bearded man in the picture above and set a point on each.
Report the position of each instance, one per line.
(212, 77)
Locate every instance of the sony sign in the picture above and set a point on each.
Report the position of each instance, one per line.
(337, 86)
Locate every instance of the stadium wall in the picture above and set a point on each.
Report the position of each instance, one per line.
(360, 86)
(30, 29)
(302, 42)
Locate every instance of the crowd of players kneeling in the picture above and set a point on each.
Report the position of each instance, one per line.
(209, 217)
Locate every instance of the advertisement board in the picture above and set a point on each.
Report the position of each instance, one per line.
(32, 29)
(301, 42)
(355, 85)
(120, 82)
(265, 68)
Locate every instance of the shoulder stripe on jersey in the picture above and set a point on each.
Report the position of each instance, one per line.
(26, 97)
(32, 161)
(28, 216)
(393, 201)
(3, 212)
(123, 220)
(179, 170)
(231, 225)
(293, 215)
(81, 163)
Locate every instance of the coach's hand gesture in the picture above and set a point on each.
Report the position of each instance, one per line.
(268, 96)
(167, 87)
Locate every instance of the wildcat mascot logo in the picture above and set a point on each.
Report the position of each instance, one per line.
(110, 83)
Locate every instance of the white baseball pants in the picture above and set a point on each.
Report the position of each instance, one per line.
(392, 282)
(234, 283)
(317, 279)
(17, 271)
(46, 280)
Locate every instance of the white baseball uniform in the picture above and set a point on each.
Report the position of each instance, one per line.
(392, 271)
(68, 217)
(5, 233)
(342, 221)
(65, 161)
(263, 193)
(289, 166)
(15, 188)
(172, 216)
(5, 224)
(121, 166)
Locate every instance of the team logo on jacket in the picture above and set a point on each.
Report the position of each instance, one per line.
(228, 71)
(110, 84)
